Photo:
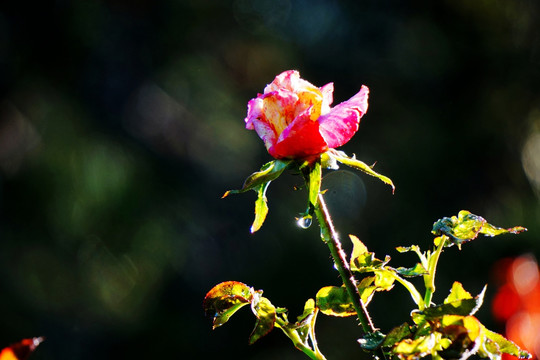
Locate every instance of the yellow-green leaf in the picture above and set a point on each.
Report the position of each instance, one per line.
(335, 301)
(455, 306)
(266, 317)
(457, 293)
(466, 227)
(224, 299)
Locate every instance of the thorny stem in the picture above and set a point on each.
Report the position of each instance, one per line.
(331, 238)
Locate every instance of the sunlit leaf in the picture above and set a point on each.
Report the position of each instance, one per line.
(467, 226)
(417, 270)
(465, 332)
(457, 293)
(362, 260)
(266, 317)
(420, 347)
(341, 157)
(261, 207)
(415, 249)
(335, 301)
(224, 299)
(463, 307)
(304, 326)
(496, 344)
(384, 279)
(309, 309)
(371, 341)
(358, 248)
(20, 350)
(397, 334)
(366, 289)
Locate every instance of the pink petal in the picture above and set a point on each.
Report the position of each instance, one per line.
(341, 123)
(301, 139)
(285, 80)
(327, 92)
(254, 112)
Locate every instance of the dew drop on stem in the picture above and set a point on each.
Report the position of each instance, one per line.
(304, 222)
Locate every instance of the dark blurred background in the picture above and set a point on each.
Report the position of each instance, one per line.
(121, 125)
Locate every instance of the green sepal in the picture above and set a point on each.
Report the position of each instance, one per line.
(259, 182)
(341, 157)
(312, 172)
(269, 172)
(371, 341)
(459, 302)
(266, 317)
(224, 299)
(466, 227)
(315, 179)
(335, 301)
(261, 207)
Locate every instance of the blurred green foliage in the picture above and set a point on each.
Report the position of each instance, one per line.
(121, 125)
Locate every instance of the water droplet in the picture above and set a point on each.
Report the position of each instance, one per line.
(304, 222)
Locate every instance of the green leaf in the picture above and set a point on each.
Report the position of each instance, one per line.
(457, 293)
(371, 341)
(466, 227)
(404, 249)
(421, 346)
(397, 334)
(362, 260)
(335, 301)
(304, 327)
(224, 299)
(384, 279)
(309, 309)
(266, 317)
(366, 289)
(261, 207)
(462, 306)
(358, 248)
(417, 270)
(497, 344)
(341, 157)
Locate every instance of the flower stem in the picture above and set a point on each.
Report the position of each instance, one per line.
(429, 279)
(331, 238)
(314, 354)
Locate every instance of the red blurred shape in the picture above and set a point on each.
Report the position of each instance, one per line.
(20, 350)
(517, 303)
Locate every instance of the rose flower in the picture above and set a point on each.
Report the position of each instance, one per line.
(295, 120)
